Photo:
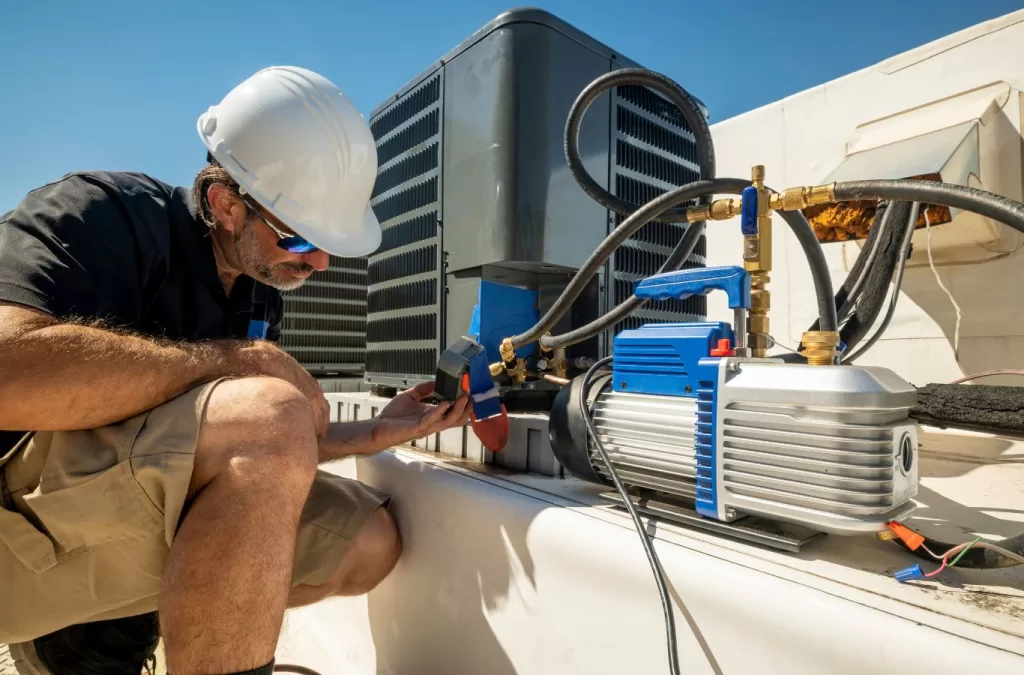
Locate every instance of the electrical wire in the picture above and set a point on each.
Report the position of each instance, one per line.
(1007, 553)
(652, 556)
(938, 279)
(988, 373)
(901, 266)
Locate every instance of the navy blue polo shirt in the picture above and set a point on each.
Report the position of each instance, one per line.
(129, 250)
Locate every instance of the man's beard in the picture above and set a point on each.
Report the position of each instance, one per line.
(256, 264)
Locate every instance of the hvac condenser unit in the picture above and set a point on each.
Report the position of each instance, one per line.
(483, 222)
(324, 325)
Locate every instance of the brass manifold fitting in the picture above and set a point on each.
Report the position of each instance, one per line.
(514, 367)
(820, 347)
(791, 199)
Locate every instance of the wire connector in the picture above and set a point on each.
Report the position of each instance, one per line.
(912, 573)
(912, 539)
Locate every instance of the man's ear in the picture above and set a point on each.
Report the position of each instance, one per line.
(226, 207)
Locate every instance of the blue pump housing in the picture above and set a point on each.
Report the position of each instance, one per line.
(664, 358)
(675, 359)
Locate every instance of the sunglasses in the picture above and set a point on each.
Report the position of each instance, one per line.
(292, 243)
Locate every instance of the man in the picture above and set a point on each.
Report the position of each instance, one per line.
(171, 464)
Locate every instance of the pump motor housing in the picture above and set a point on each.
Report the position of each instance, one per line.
(827, 447)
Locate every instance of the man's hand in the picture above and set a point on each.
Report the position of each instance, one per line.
(403, 419)
(273, 361)
(407, 418)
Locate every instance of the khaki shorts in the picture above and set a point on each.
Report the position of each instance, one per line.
(88, 519)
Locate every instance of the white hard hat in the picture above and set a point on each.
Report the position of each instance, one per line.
(304, 152)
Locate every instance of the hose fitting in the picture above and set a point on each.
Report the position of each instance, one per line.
(796, 198)
(507, 351)
(515, 368)
(720, 209)
(820, 347)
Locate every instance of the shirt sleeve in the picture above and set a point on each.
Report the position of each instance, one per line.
(275, 316)
(71, 249)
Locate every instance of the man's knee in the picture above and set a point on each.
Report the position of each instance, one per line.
(371, 558)
(258, 425)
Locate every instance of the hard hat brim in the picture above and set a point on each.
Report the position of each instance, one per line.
(345, 242)
(341, 242)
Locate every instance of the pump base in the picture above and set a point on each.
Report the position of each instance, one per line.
(781, 536)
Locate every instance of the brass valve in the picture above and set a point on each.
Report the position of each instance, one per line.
(516, 368)
(757, 259)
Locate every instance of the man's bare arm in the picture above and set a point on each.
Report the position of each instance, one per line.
(56, 376)
(403, 419)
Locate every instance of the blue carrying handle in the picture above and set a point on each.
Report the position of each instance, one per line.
(735, 281)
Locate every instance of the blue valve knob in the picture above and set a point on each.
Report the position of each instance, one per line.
(735, 281)
(748, 211)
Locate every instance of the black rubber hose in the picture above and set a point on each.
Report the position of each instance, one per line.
(862, 294)
(804, 234)
(800, 228)
(679, 254)
(1006, 211)
(675, 94)
(646, 213)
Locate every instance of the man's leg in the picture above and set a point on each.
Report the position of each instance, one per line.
(228, 575)
(374, 552)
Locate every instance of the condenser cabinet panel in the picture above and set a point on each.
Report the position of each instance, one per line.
(473, 189)
(324, 326)
(509, 193)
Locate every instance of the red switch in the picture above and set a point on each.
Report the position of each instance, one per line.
(724, 348)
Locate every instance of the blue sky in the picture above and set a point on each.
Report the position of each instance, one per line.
(118, 85)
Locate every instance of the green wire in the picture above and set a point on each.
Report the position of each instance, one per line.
(961, 553)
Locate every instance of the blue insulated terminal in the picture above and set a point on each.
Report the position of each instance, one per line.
(909, 574)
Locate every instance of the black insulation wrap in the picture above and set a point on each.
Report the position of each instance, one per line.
(1006, 211)
(990, 408)
(873, 290)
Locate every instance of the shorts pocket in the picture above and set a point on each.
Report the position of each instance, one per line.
(104, 509)
(32, 548)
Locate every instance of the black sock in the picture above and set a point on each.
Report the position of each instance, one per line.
(264, 670)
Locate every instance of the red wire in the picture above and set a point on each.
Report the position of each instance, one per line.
(936, 572)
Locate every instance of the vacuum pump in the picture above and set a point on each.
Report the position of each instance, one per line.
(827, 447)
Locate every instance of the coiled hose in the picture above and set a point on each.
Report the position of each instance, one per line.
(668, 213)
(675, 94)
(664, 211)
